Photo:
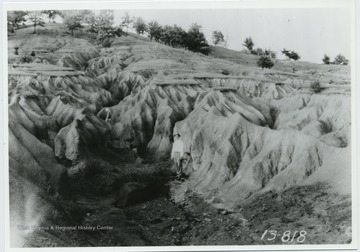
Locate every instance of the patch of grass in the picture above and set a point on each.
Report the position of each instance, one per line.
(26, 59)
(315, 87)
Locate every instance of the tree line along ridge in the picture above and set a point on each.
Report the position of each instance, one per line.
(101, 29)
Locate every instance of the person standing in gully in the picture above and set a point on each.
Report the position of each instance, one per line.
(177, 153)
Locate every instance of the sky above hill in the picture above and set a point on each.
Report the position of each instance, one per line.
(310, 32)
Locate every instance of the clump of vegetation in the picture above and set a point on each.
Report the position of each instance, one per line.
(218, 37)
(266, 52)
(104, 28)
(173, 36)
(326, 60)
(127, 21)
(225, 72)
(154, 30)
(270, 53)
(16, 50)
(99, 27)
(73, 22)
(340, 60)
(107, 34)
(291, 54)
(105, 18)
(26, 59)
(195, 40)
(249, 44)
(106, 44)
(258, 51)
(14, 18)
(36, 18)
(265, 62)
(32, 54)
(11, 29)
(315, 87)
(140, 26)
(52, 14)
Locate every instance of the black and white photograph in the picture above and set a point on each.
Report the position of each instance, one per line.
(180, 126)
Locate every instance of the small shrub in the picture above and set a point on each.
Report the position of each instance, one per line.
(249, 44)
(32, 54)
(106, 44)
(291, 54)
(326, 60)
(265, 62)
(204, 50)
(315, 87)
(26, 59)
(257, 51)
(270, 53)
(218, 37)
(340, 60)
(140, 26)
(225, 72)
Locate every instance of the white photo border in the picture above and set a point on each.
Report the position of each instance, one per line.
(148, 5)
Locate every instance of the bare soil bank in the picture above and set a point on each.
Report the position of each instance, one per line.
(159, 221)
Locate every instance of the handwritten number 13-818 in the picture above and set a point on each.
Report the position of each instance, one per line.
(286, 236)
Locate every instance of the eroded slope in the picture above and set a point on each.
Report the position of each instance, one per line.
(248, 131)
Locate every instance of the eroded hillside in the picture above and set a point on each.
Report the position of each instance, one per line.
(81, 115)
